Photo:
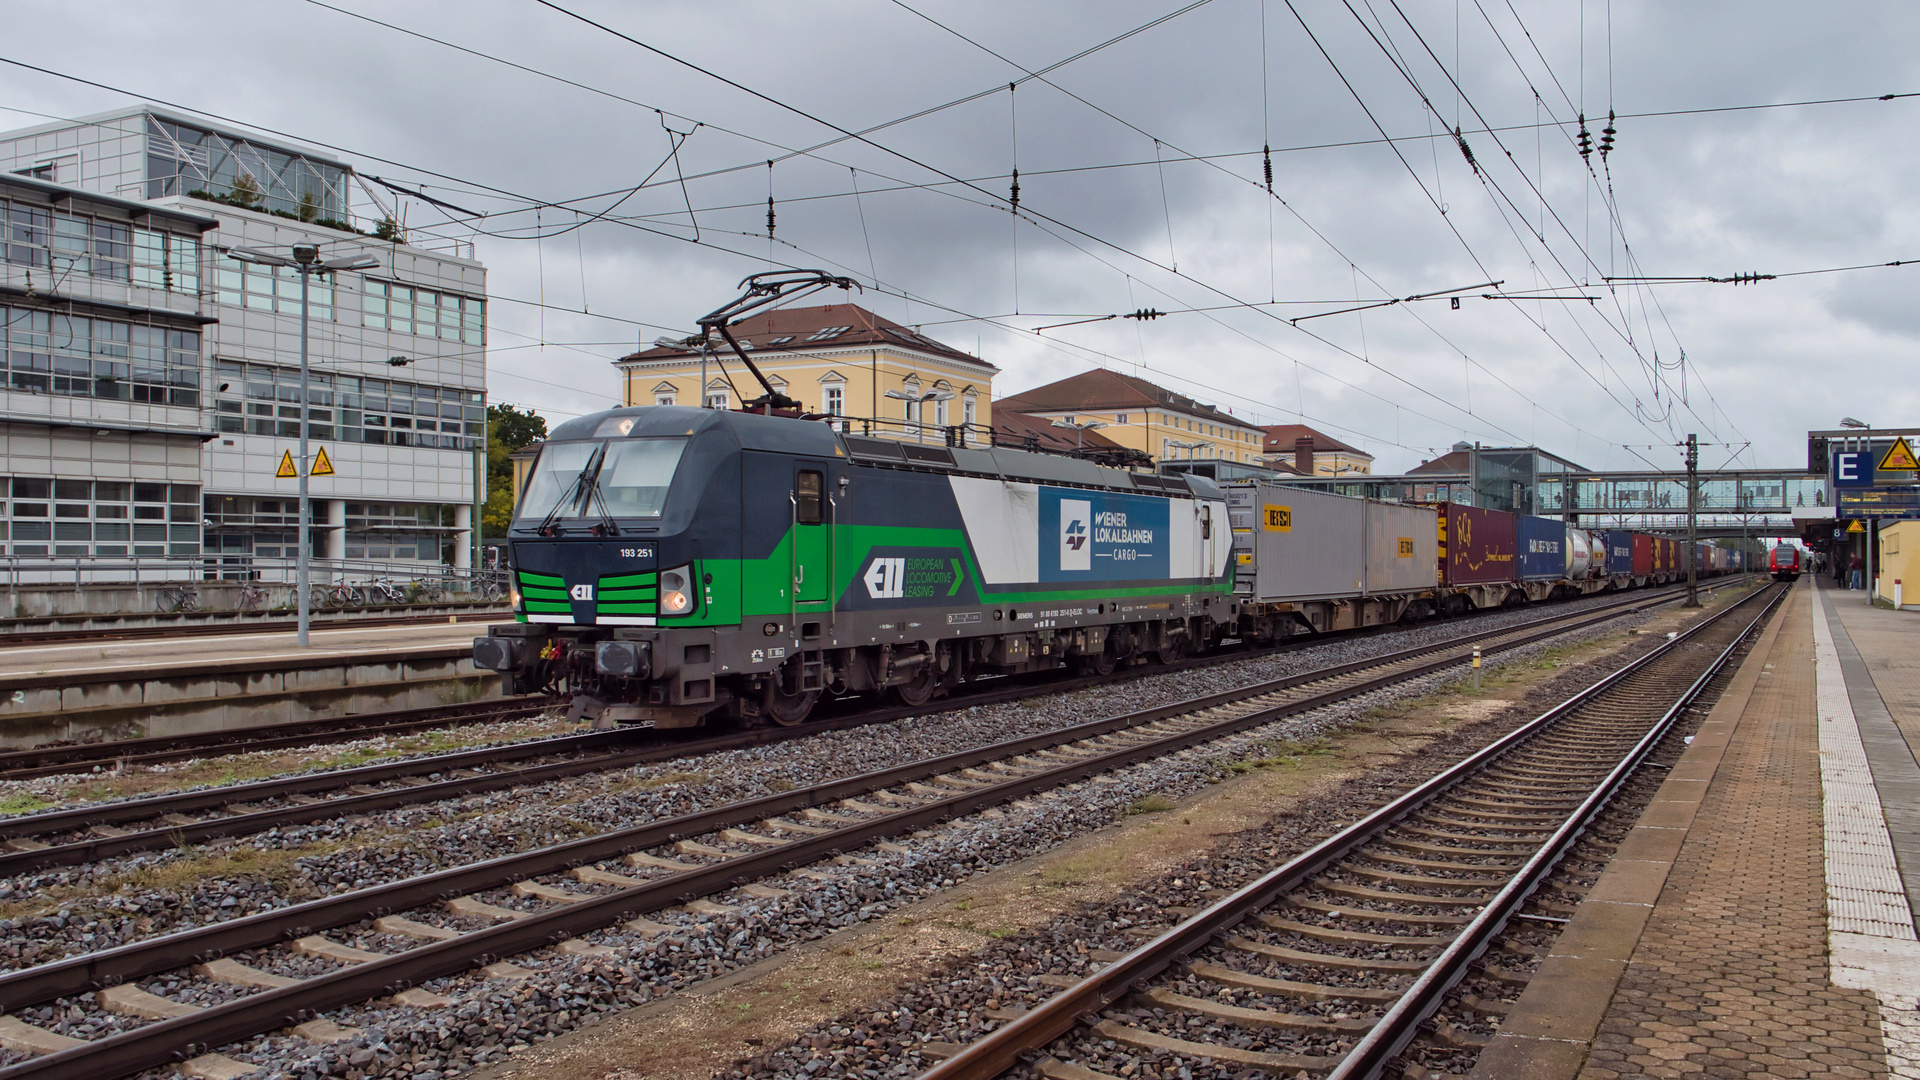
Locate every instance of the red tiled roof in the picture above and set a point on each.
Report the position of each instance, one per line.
(1013, 428)
(1101, 390)
(799, 330)
(1280, 439)
(1454, 462)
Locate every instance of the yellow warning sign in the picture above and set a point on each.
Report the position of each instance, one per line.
(322, 464)
(1855, 526)
(1899, 456)
(286, 465)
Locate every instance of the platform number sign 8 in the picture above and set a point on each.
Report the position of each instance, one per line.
(1278, 518)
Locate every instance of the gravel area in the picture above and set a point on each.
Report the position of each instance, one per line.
(490, 1017)
(339, 855)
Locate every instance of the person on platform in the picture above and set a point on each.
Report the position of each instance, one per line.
(1858, 567)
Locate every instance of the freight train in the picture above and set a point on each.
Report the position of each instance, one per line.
(681, 565)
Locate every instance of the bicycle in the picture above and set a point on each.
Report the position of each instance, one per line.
(383, 590)
(177, 598)
(338, 595)
(489, 591)
(422, 591)
(251, 597)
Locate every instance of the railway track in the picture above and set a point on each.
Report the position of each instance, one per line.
(389, 939)
(57, 759)
(54, 759)
(56, 838)
(1330, 964)
(41, 632)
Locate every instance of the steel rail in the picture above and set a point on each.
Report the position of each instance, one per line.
(175, 835)
(995, 1053)
(170, 1040)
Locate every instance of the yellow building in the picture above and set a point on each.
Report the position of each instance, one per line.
(838, 360)
(1900, 561)
(1140, 415)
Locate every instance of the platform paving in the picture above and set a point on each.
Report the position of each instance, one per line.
(164, 653)
(1755, 924)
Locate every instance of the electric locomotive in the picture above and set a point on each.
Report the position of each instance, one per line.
(678, 565)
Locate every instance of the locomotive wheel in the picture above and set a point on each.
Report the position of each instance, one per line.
(1101, 663)
(787, 710)
(1169, 650)
(920, 690)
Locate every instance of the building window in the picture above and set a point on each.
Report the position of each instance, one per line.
(716, 399)
(819, 335)
(940, 413)
(270, 288)
(663, 399)
(265, 400)
(833, 400)
(105, 517)
(970, 411)
(78, 356)
(408, 309)
(1119, 418)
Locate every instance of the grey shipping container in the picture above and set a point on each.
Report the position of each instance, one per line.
(1295, 544)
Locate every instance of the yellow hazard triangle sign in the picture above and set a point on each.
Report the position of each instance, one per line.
(322, 464)
(1856, 527)
(286, 465)
(1899, 456)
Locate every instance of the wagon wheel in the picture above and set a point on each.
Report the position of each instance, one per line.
(1100, 663)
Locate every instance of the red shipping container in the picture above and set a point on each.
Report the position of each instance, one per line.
(1644, 553)
(1477, 546)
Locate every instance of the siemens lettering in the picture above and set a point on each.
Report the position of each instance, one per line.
(1102, 536)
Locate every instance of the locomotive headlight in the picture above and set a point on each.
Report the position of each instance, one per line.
(676, 591)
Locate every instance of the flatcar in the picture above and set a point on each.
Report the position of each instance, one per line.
(682, 565)
(1785, 562)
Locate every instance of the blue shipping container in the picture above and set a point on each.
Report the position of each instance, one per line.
(1619, 552)
(1543, 549)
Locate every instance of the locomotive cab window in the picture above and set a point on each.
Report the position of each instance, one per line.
(628, 477)
(809, 503)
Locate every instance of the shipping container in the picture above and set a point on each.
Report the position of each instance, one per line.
(1403, 547)
(1543, 548)
(1620, 547)
(1305, 545)
(1477, 546)
(1645, 553)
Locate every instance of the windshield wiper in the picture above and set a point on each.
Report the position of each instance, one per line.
(571, 497)
(598, 498)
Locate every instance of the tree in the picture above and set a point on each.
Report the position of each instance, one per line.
(309, 206)
(388, 229)
(245, 192)
(508, 429)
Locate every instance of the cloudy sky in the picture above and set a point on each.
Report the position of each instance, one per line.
(1137, 127)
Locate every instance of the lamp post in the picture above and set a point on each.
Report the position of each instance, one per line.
(1189, 447)
(1079, 430)
(307, 263)
(916, 399)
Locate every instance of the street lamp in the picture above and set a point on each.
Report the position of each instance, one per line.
(1189, 447)
(913, 400)
(307, 263)
(1079, 430)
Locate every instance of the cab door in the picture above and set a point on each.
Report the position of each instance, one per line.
(812, 534)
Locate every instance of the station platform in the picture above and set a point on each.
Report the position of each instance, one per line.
(1759, 919)
(186, 684)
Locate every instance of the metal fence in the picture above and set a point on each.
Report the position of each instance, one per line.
(77, 571)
